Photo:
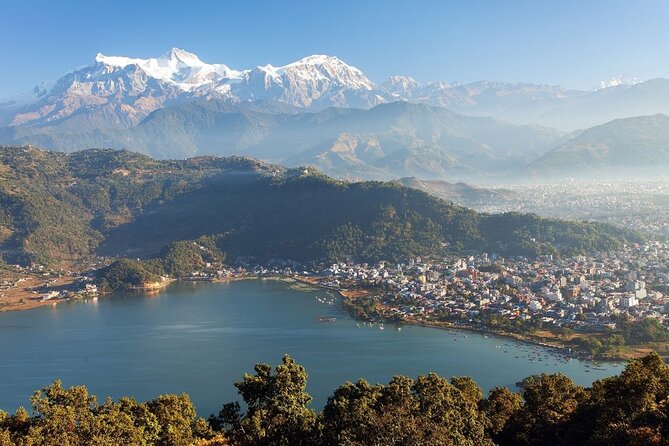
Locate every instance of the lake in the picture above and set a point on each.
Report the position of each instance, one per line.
(200, 338)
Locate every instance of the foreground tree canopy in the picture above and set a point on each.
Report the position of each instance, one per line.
(629, 409)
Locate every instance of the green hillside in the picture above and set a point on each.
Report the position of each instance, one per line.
(56, 207)
(63, 207)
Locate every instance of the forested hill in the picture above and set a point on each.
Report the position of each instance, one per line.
(56, 206)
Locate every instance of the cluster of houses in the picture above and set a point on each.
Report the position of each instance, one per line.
(43, 284)
(83, 287)
(50, 290)
(582, 292)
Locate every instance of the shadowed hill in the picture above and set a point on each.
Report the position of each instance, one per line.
(63, 207)
(634, 146)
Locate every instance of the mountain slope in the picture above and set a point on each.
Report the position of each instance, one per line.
(317, 82)
(55, 206)
(58, 207)
(582, 111)
(117, 92)
(637, 145)
(460, 193)
(388, 141)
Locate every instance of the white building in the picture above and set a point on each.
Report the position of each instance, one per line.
(635, 285)
(554, 296)
(629, 301)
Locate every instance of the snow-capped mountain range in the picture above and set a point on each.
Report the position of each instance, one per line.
(324, 112)
(624, 79)
(120, 92)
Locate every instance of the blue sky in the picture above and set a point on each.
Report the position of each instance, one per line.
(572, 43)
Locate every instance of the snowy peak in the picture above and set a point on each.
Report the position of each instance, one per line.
(178, 67)
(115, 61)
(120, 90)
(624, 79)
(329, 68)
(188, 72)
(176, 56)
(322, 61)
(402, 86)
(317, 59)
(317, 81)
(173, 57)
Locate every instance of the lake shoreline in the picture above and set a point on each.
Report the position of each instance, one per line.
(558, 348)
(23, 298)
(347, 294)
(197, 335)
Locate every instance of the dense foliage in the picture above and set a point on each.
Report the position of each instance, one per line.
(627, 332)
(130, 274)
(176, 260)
(56, 206)
(72, 417)
(631, 409)
(305, 216)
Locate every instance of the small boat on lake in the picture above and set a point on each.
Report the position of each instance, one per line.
(326, 319)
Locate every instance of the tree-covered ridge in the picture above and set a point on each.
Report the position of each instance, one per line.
(307, 217)
(176, 260)
(549, 410)
(56, 206)
(66, 206)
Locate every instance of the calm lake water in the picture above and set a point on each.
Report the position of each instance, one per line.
(201, 338)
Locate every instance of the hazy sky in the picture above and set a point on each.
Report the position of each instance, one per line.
(572, 43)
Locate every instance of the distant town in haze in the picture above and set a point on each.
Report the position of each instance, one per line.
(429, 261)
